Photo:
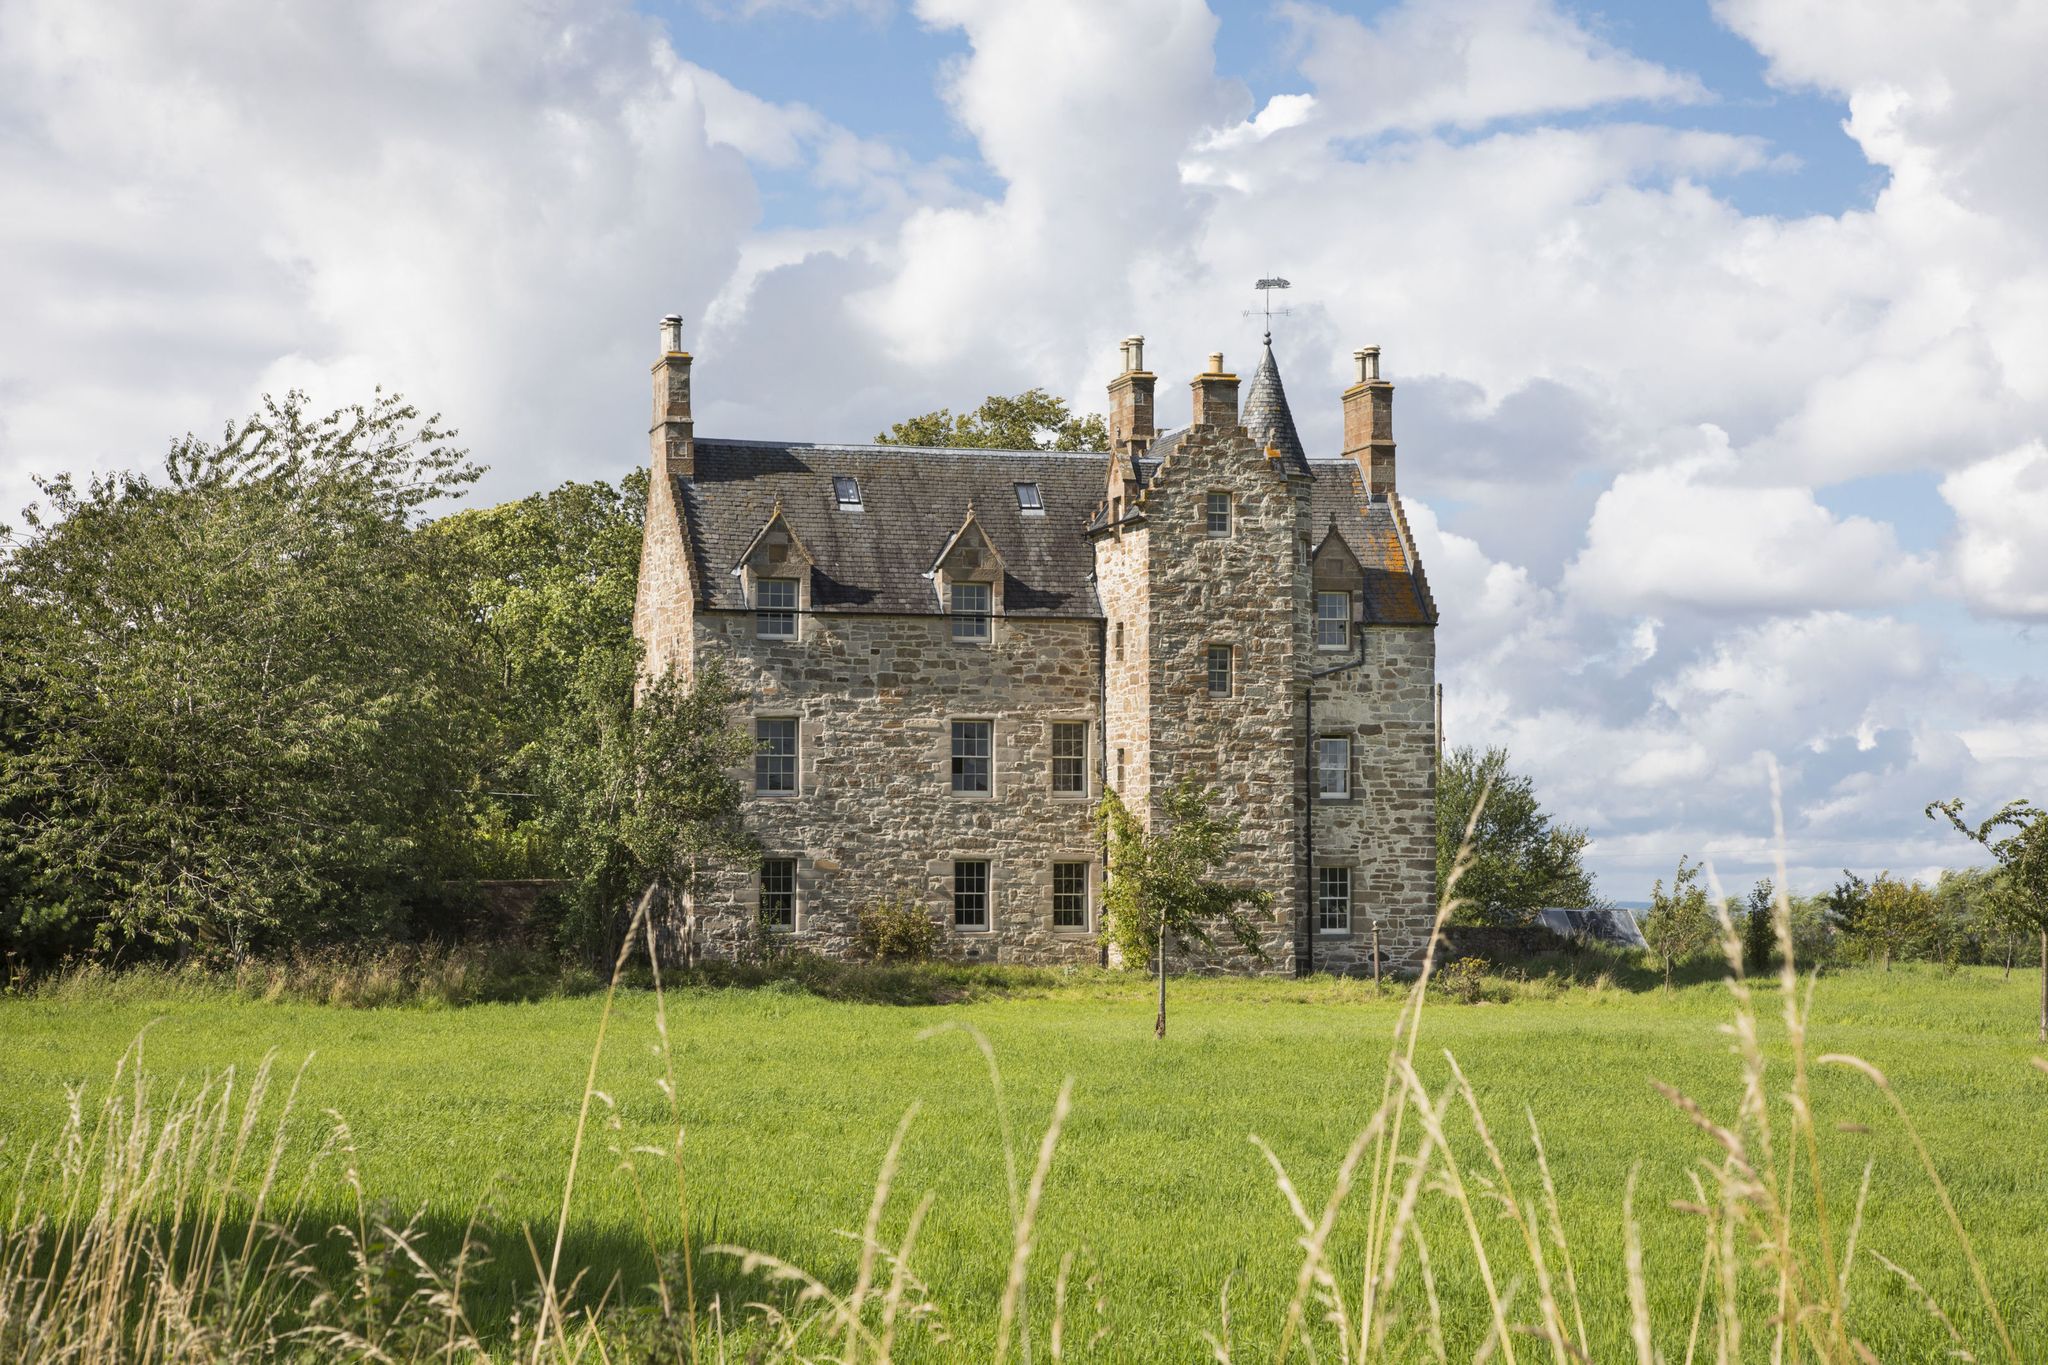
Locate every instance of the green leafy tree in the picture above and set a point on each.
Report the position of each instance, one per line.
(1031, 420)
(1891, 918)
(2016, 835)
(549, 580)
(1759, 936)
(1167, 880)
(1680, 924)
(1520, 860)
(641, 799)
(240, 696)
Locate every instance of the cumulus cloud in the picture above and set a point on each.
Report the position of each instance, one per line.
(2001, 541)
(1678, 536)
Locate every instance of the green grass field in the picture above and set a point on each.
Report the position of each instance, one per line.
(791, 1100)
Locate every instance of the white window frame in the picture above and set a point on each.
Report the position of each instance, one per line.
(776, 614)
(762, 757)
(987, 894)
(1325, 792)
(1087, 892)
(955, 733)
(1229, 654)
(1034, 506)
(1329, 878)
(1210, 508)
(842, 484)
(1342, 621)
(970, 625)
(761, 892)
(1079, 758)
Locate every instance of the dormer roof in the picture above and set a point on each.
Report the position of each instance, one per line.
(970, 535)
(798, 550)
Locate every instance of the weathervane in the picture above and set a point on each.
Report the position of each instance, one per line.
(1266, 287)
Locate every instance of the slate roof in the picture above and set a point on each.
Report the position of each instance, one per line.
(1395, 592)
(1267, 417)
(913, 500)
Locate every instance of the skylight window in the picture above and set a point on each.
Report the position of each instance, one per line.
(1028, 499)
(847, 489)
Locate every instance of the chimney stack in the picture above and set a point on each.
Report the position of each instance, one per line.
(1215, 394)
(1130, 402)
(1369, 423)
(672, 436)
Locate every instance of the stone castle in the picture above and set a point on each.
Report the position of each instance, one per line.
(949, 653)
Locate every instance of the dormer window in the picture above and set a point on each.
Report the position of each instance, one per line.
(846, 488)
(775, 609)
(1333, 620)
(968, 604)
(1028, 500)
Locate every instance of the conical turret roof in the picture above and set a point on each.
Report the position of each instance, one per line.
(1267, 417)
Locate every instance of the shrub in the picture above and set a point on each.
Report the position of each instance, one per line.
(895, 930)
(1464, 980)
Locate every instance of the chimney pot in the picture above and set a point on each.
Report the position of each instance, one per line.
(1369, 422)
(1215, 395)
(672, 434)
(1130, 402)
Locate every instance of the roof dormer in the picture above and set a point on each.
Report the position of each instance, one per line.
(776, 553)
(968, 557)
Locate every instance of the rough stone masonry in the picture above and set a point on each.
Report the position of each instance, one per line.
(948, 653)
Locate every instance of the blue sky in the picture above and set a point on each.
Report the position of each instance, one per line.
(1717, 329)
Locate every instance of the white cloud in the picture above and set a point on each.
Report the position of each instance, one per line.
(1677, 535)
(2000, 549)
(1466, 63)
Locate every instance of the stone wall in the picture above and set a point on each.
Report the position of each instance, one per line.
(664, 599)
(1385, 831)
(874, 815)
(1245, 591)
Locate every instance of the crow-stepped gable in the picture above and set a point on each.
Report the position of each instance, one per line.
(949, 653)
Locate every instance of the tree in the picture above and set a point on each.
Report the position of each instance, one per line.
(1979, 910)
(1520, 861)
(1890, 918)
(1759, 938)
(1680, 924)
(2022, 856)
(1031, 420)
(549, 580)
(641, 799)
(241, 697)
(1166, 880)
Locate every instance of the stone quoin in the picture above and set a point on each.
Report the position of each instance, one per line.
(948, 653)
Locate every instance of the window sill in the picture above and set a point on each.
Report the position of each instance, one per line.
(1333, 800)
(1333, 933)
(777, 796)
(1072, 798)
